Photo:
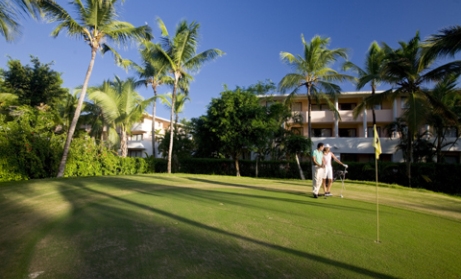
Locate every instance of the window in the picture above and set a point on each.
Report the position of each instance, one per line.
(451, 132)
(297, 130)
(321, 132)
(135, 153)
(296, 106)
(137, 137)
(347, 133)
(370, 131)
(321, 107)
(347, 157)
(404, 102)
(347, 106)
(451, 159)
(316, 107)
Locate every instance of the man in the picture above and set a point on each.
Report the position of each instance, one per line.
(318, 169)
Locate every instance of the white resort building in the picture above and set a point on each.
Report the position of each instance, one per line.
(351, 138)
(140, 142)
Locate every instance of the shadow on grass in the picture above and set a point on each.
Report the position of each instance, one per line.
(100, 211)
(109, 236)
(286, 191)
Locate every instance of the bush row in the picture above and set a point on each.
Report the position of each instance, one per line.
(20, 161)
(430, 176)
(26, 155)
(89, 159)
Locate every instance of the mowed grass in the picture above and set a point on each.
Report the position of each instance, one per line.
(198, 226)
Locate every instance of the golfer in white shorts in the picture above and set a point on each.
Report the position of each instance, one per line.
(328, 174)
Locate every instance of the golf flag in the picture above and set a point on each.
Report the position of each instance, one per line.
(376, 143)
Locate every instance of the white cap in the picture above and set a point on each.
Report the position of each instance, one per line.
(327, 145)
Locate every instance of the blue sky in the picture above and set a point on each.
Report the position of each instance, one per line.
(251, 32)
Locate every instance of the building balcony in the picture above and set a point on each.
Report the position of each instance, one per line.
(346, 116)
(383, 115)
(141, 127)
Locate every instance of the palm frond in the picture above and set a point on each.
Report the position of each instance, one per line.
(197, 61)
(446, 43)
(290, 81)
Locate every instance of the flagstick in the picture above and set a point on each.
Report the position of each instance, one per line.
(377, 203)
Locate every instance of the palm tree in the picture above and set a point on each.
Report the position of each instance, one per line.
(406, 70)
(121, 106)
(96, 23)
(371, 73)
(446, 43)
(180, 53)
(447, 96)
(155, 73)
(179, 103)
(313, 71)
(10, 11)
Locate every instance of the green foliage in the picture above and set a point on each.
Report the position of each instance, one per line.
(28, 146)
(30, 149)
(87, 158)
(119, 106)
(270, 169)
(236, 120)
(33, 85)
(183, 145)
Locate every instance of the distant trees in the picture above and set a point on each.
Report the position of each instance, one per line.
(406, 69)
(313, 71)
(121, 107)
(237, 123)
(180, 54)
(371, 73)
(96, 23)
(33, 85)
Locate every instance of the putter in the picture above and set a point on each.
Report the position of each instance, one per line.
(342, 176)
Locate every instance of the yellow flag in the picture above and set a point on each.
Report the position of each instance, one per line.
(376, 143)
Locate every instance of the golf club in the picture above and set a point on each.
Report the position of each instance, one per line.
(342, 175)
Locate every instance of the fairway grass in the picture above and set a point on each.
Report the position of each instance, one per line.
(199, 226)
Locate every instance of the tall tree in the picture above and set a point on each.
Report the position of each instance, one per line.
(153, 72)
(180, 102)
(371, 73)
(406, 70)
(312, 71)
(121, 106)
(180, 53)
(34, 84)
(236, 121)
(97, 25)
(11, 11)
(447, 96)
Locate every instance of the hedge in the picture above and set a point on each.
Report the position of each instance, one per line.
(430, 176)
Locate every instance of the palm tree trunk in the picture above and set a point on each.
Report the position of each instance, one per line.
(123, 143)
(439, 146)
(173, 98)
(176, 120)
(410, 156)
(309, 107)
(154, 111)
(301, 174)
(73, 124)
(373, 91)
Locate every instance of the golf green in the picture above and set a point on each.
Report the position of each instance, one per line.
(199, 226)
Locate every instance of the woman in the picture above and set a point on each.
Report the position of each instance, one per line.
(328, 176)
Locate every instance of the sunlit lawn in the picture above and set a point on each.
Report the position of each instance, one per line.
(198, 226)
